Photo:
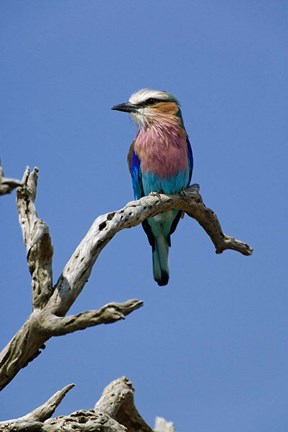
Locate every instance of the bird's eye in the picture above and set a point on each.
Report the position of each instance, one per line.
(151, 101)
(148, 102)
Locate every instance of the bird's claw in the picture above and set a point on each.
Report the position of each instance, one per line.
(191, 190)
(155, 194)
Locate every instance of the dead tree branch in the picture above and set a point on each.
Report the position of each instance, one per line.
(49, 309)
(114, 412)
(51, 303)
(7, 185)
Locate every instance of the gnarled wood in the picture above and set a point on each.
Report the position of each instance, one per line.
(114, 412)
(51, 303)
(48, 319)
(41, 325)
(36, 239)
(118, 402)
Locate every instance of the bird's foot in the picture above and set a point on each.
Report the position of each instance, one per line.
(156, 194)
(191, 190)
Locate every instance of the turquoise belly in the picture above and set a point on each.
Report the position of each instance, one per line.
(167, 185)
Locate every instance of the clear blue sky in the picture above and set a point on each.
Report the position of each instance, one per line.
(210, 350)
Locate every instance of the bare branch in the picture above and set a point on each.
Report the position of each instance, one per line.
(34, 420)
(114, 412)
(37, 240)
(26, 345)
(46, 410)
(51, 304)
(80, 421)
(7, 185)
(21, 426)
(209, 221)
(106, 226)
(118, 402)
(108, 314)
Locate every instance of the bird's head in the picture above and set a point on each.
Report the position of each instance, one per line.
(151, 107)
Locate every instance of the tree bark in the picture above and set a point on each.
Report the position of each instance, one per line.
(114, 412)
(51, 303)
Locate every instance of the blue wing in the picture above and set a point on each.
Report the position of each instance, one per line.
(190, 158)
(135, 171)
(157, 230)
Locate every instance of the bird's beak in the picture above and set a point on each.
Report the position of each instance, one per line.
(126, 107)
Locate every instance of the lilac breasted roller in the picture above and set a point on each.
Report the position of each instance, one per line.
(160, 160)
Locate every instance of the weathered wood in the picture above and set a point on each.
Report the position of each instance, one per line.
(36, 239)
(47, 319)
(51, 303)
(46, 410)
(41, 325)
(114, 412)
(106, 226)
(108, 314)
(7, 185)
(118, 402)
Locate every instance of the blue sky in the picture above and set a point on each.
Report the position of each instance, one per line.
(210, 350)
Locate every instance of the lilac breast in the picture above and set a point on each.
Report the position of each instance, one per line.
(162, 151)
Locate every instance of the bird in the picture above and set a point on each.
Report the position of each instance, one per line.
(160, 160)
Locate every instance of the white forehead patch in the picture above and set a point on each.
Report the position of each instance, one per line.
(142, 95)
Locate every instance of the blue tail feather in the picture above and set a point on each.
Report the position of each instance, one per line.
(160, 260)
(158, 229)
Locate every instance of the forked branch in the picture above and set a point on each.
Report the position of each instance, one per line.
(51, 303)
